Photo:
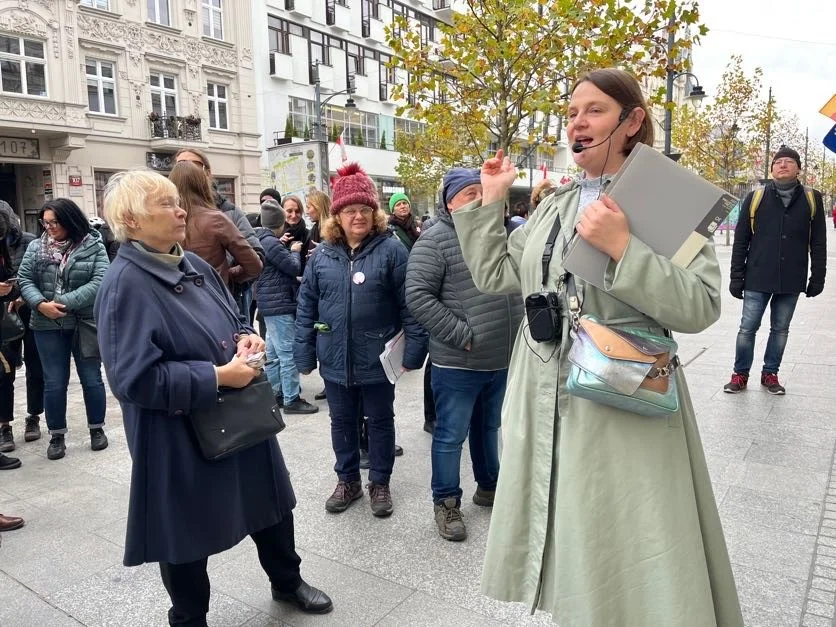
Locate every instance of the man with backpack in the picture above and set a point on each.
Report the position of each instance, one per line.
(780, 225)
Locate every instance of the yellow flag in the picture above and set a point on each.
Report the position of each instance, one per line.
(830, 108)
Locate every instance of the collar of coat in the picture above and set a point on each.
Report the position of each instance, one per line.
(168, 274)
(339, 250)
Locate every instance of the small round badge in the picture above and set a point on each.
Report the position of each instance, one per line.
(359, 278)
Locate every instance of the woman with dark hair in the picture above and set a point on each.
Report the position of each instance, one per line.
(602, 516)
(59, 277)
(209, 233)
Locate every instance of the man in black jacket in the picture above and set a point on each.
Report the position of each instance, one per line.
(769, 265)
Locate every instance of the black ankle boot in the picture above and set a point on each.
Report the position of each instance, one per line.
(7, 439)
(98, 439)
(33, 429)
(57, 449)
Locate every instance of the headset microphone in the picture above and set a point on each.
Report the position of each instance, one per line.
(578, 147)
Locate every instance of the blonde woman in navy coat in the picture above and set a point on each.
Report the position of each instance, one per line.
(169, 338)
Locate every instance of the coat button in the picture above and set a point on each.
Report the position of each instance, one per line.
(198, 282)
(236, 337)
(224, 344)
(179, 412)
(178, 288)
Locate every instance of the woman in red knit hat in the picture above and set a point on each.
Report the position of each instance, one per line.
(351, 303)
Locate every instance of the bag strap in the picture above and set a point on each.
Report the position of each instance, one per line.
(758, 196)
(811, 199)
(548, 251)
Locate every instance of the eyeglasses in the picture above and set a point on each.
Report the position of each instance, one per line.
(199, 164)
(786, 161)
(49, 224)
(366, 211)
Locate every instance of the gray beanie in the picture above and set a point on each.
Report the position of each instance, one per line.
(272, 215)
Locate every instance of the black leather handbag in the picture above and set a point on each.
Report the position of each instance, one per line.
(240, 418)
(85, 339)
(11, 326)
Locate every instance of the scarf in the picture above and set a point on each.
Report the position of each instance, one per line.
(57, 253)
(407, 225)
(785, 191)
(171, 258)
(298, 230)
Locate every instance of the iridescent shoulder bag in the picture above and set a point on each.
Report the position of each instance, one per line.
(624, 367)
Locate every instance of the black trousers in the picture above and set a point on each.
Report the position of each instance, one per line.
(34, 373)
(188, 584)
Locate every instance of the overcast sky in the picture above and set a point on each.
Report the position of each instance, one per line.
(794, 42)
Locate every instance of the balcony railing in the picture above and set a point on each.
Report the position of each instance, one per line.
(175, 127)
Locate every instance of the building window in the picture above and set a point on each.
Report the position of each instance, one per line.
(359, 128)
(96, 4)
(318, 49)
(217, 106)
(354, 59)
(100, 179)
(101, 86)
(405, 127)
(213, 19)
(226, 188)
(163, 94)
(158, 12)
(22, 66)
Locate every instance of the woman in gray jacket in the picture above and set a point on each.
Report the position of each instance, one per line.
(59, 277)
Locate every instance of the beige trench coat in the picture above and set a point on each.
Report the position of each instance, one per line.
(602, 517)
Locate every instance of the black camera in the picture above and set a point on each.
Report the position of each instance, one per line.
(543, 313)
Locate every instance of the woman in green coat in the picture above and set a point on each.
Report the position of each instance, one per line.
(602, 516)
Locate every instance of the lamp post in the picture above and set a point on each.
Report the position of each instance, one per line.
(319, 105)
(697, 92)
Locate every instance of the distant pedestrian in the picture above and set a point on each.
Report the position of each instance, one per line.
(59, 278)
(210, 234)
(13, 244)
(168, 341)
(350, 304)
(318, 207)
(401, 220)
(276, 295)
(541, 191)
(769, 265)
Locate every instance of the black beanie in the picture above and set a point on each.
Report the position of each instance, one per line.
(786, 151)
(272, 193)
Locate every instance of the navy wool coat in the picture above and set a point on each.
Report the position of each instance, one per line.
(161, 329)
(360, 296)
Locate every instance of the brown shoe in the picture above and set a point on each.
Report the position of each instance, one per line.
(381, 500)
(344, 495)
(9, 523)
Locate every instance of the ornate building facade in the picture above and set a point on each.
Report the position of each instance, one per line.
(92, 87)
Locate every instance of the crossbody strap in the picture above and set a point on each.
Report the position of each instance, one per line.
(548, 251)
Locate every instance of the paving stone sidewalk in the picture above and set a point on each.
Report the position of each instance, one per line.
(771, 461)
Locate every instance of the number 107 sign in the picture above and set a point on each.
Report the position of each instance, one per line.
(19, 148)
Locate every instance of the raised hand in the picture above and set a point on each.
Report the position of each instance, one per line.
(498, 174)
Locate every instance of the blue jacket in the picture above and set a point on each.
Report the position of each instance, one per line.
(82, 277)
(161, 330)
(362, 300)
(277, 285)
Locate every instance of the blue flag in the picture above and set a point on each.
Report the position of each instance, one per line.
(830, 139)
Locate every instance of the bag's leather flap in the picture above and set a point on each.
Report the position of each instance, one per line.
(623, 375)
(616, 346)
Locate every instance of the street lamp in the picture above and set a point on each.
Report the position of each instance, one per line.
(697, 92)
(319, 104)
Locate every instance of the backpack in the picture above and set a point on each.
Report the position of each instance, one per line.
(758, 196)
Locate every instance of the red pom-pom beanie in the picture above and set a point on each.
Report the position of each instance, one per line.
(352, 187)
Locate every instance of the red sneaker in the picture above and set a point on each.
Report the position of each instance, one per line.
(737, 384)
(769, 380)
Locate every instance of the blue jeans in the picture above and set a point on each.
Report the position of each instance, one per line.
(466, 401)
(282, 372)
(55, 349)
(347, 405)
(781, 309)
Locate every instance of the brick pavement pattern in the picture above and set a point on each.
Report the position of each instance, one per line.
(771, 460)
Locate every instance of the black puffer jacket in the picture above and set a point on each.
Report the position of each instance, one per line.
(441, 295)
